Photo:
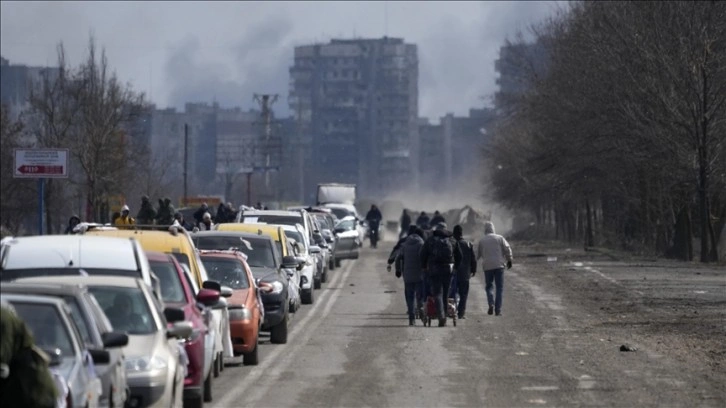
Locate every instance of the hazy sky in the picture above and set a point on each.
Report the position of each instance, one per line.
(177, 52)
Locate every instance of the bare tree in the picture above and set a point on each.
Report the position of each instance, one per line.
(15, 194)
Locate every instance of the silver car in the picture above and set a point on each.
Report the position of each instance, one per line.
(154, 361)
(96, 331)
(50, 321)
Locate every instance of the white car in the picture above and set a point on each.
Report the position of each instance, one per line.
(54, 255)
(297, 234)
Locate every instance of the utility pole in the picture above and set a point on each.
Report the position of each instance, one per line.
(266, 101)
(186, 153)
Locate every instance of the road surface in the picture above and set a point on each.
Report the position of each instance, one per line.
(566, 315)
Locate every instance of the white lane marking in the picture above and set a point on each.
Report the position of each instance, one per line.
(539, 401)
(290, 349)
(541, 388)
(522, 353)
(585, 382)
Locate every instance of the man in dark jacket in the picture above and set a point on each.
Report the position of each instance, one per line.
(466, 269)
(405, 223)
(438, 254)
(165, 215)
(147, 213)
(179, 218)
(422, 221)
(374, 218)
(413, 273)
(199, 214)
(437, 219)
(72, 222)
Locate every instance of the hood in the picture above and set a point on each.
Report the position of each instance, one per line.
(443, 233)
(239, 297)
(413, 239)
(141, 345)
(489, 227)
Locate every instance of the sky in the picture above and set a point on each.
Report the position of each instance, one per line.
(178, 52)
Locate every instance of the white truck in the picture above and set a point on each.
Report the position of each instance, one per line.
(336, 193)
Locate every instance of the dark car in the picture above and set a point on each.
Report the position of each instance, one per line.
(265, 261)
(177, 291)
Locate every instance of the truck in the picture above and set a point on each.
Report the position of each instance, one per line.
(336, 193)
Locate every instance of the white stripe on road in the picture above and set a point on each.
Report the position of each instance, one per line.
(290, 349)
(541, 388)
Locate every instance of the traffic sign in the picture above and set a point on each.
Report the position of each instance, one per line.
(41, 163)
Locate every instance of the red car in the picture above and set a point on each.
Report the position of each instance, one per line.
(246, 311)
(178, 291)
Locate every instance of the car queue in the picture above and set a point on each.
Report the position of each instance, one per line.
(148, 316)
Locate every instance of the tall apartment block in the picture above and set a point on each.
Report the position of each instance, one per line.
(356, 107)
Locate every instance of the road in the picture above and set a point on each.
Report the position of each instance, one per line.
(566, 314)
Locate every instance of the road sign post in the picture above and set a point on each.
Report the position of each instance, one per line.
(40, 164)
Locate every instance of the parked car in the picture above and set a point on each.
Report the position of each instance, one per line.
(245, 305)
(177, 242)
(154, 367)
(95, 329)
(55, 332)
(265, 262)
(52, 255)
(177, 291)
(309, 258)
(326, 224)
(349, 238)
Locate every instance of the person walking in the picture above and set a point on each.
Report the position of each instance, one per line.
(147, 213)
(125, 219)
(72, 223)
(412, 271)
(438, 254)
(437, 218)
(423, 220)
(405, 222)
(495, 253)
(466, 269)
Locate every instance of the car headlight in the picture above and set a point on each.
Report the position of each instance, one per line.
(277, 287)
(242, 313)
(141, 364)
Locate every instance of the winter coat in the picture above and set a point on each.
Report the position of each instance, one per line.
(200, 213)
(146, 214)
(374, 217)
(204, 227)
(437, 219)
(122, 221)
(467, 267)
(493, 249)
(29, 382)
(410, 254)
(438, 269)
(423, 221)
(165, 215)
(405, 222)
(221, 214)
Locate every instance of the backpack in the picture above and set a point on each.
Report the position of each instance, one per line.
(442, 251)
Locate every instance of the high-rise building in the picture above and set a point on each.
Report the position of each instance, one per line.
(17, 81)
(356, 107)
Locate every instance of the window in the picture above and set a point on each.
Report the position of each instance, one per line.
(126, 308)
(47, 326)
(171, 287)
(228, 272)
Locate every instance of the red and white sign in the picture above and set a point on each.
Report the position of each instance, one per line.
(41, 163)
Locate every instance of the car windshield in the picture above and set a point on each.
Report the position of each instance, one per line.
(275, 219)
(181, 258)
(171, 287)
(346, 225)
(341, 212)
(126, 308)
(297, 236)
(322, 221)
(258, 250)
(12, 274)
(47, 326)
(228, 272)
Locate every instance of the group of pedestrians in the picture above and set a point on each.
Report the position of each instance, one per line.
(440, 264)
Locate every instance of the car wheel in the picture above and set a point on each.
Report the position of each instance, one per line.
(215, 366)
(331, 263)
(278, 334)
(221, 362)
(308, 297)
(193, 402)
(324, 277)
(252, 358)
(317, 283)
(208, 389)
(337, 263)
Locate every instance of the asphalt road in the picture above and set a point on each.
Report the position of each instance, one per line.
(557, 343)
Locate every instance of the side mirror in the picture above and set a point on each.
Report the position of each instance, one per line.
(180, 330)
(289, 262)
(55, 356)
(100, 356)
(226, 291)
(174, 314)
(290, 273)
(207, 297)
(114, 339)
(220, 305)
(314, 249)
(213, 285)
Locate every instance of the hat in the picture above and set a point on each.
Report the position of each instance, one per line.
(207, 216)
(458, 231)
(440, 226)
(125, 208)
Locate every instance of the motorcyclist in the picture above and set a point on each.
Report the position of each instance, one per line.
(374, 217)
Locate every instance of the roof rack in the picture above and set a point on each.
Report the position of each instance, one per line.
(174, 229)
